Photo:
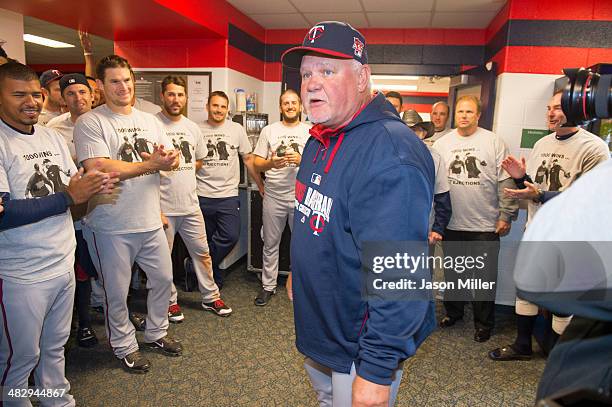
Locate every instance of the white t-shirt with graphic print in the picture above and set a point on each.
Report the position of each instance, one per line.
(35, 166)
(220, 175)
(178, 187)
(474, 171)
(555, 164)
(277, 139)
(135, 205)
(63, 125)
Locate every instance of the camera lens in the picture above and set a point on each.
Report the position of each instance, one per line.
(587, 95)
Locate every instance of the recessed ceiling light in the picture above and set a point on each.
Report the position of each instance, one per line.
(406, 88)
(35, 39)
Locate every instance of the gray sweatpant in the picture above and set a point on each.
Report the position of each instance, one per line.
(193, 232)
(275, 214)
(35, 326)
(335, 389)
(113, 256)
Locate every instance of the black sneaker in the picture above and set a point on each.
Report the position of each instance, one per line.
(138, 320)
(218, 307)
(167, 345)
(264, 297)
(86, 337)
(135, 362)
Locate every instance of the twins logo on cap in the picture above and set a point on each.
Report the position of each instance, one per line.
(316, 32)
(330, 38)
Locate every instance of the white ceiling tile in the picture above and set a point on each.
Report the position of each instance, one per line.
(469, 5)
(357, 20)
(263, 7)
(328, 6)
(280, 21)
(399, 20)
(397, 5)
(462, 20)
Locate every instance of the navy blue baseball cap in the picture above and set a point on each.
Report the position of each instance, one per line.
(73, 79)
(333, 38)
(49, 76)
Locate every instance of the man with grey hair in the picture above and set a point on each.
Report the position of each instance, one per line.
(359, 168)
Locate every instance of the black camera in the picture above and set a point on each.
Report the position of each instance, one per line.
(587, 96)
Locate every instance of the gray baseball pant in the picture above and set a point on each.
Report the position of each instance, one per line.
(335, 389)
(275, 214)
(113, 256)
(193, 232)
(35, 326)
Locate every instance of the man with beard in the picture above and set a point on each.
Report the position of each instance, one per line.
(219, 177)
(280, 169)
(179, 200)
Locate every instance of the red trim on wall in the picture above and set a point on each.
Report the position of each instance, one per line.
(285, 36)
(207, 13)
(243, 62)
(64, 68)
(548, 60)
(498, 22)
(273, 72)
(426, 94)
(419, 107)
(245, 23)
(393, 36)
(174, 53)
(560, 10)
(500, 59)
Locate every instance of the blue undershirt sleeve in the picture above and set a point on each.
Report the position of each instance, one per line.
(20, 212)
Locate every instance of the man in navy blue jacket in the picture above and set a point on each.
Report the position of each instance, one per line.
(364, 177)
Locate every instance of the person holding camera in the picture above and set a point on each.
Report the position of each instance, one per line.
(556, 161)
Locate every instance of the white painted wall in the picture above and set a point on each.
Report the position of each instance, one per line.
(11, 31)
(236, 80)
(272, 91)
(521, 104)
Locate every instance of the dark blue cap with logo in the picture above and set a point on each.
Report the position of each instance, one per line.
(331, 38)
(49, 76)
(73, 79)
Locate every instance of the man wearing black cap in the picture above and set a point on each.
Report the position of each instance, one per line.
(77, 94)
(358, 170)
(53, 104)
